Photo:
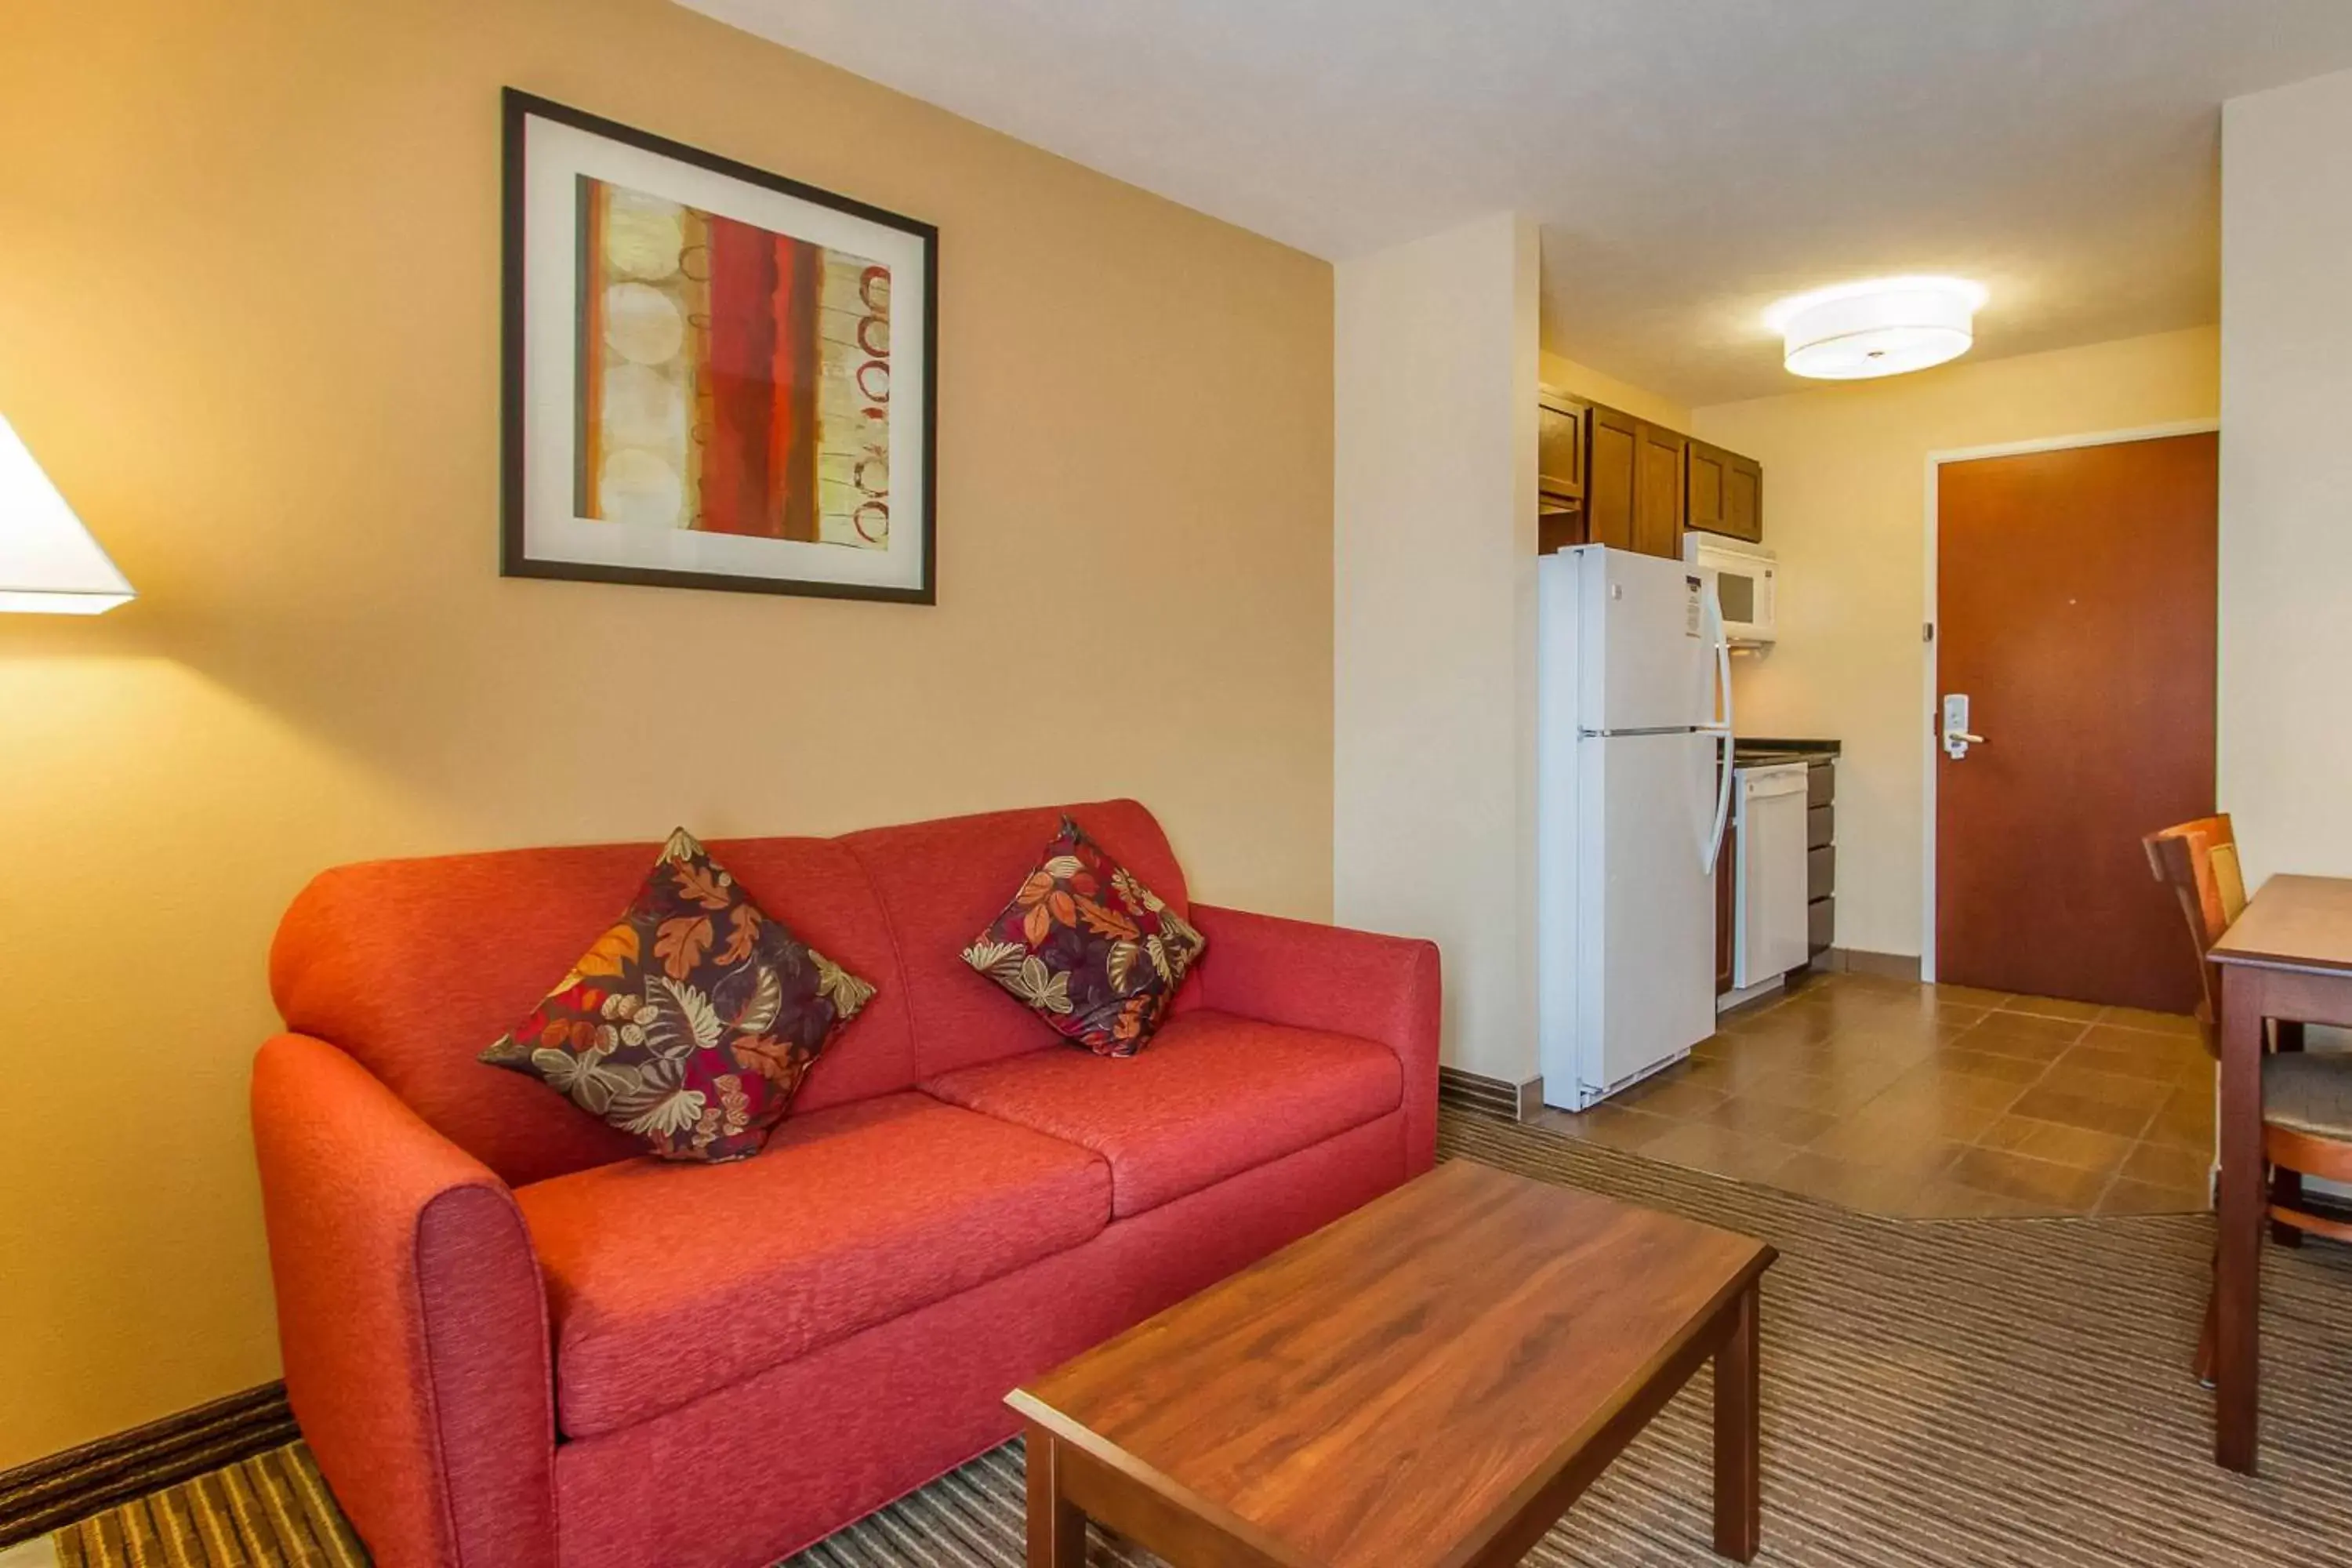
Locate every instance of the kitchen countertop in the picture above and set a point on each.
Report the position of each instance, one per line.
(1753, 751)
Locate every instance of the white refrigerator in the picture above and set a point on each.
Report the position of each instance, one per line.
(1634, 779)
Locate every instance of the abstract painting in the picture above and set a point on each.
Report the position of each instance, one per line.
(716, 377)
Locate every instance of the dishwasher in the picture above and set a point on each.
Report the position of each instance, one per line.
(1768, 928)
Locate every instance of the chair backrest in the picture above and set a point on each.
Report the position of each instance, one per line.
(2199, 861)
(2221, 852)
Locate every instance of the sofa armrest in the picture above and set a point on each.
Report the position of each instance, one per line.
(411, 1317)
(1309, 976)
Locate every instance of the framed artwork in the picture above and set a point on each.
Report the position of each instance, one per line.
(715, 377)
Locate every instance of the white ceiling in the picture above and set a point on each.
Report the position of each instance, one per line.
(1690, 160)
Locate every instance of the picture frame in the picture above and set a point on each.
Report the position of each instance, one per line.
(708, 375)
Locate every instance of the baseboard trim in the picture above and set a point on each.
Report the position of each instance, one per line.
(45, 1494)
(1727, 1001)
(1495, 1095)
(1861, 960)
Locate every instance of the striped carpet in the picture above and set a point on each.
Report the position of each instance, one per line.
(1947, 1394)
(265, 1511)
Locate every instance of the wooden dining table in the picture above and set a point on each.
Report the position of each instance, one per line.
(2288, 957)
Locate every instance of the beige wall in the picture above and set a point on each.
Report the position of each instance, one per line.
(1846, 507)
(2286, 470)
(1434, 821)
(248, 320)
(1563, 375)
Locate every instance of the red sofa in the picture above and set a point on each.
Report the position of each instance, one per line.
(511, 1344)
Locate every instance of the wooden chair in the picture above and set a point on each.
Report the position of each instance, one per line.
(2306, 1097)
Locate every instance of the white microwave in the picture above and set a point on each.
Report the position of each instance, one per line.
(1746, 584)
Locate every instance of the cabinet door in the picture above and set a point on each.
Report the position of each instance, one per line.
(1706, 477)
(1612, 460)
(1743, 498)
(1560, 447)
(1659, 500)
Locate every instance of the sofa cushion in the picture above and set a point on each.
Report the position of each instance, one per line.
(668, 1282)
(1215, 1095)
(941, 881)
(1088, 947)
(410, 965)
(690, 1023)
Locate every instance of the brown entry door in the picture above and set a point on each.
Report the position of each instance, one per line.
(2075, 611)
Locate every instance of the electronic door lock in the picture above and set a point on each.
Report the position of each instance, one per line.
(1957, 738)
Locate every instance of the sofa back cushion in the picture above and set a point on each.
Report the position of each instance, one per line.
(413, 966)
(941, 883)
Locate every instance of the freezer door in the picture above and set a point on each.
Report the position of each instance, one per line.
(1645, 924)
(1647, 658)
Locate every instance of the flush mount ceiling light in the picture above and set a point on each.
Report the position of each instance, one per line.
(1881, 326)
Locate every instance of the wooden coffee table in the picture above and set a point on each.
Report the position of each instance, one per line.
(1430, 1381)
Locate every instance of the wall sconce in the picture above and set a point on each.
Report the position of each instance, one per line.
(48, 562)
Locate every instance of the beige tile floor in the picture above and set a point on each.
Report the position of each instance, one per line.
(1933, 1102)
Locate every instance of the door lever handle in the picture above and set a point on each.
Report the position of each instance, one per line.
(1957, 741)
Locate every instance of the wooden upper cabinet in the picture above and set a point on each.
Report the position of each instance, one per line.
(1560, 472)
(1606, 477)
(1560, 524)
(1614, 459)
(1743, 498)
(1703, 481)
(1661, 503)
(1726, 492)
(1560, 447)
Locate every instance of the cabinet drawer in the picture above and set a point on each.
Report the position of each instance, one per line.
(1820, 825)
(1820, 784)
(1821, 923)
(1821, 871)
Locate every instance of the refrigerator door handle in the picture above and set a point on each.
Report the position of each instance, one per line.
(1723, 772)
(1722, 658)
(1722, 809)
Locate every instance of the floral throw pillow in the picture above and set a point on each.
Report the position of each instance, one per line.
(692, 1021)
(1092, 949)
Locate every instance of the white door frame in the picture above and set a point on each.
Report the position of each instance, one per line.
(1931, 739)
